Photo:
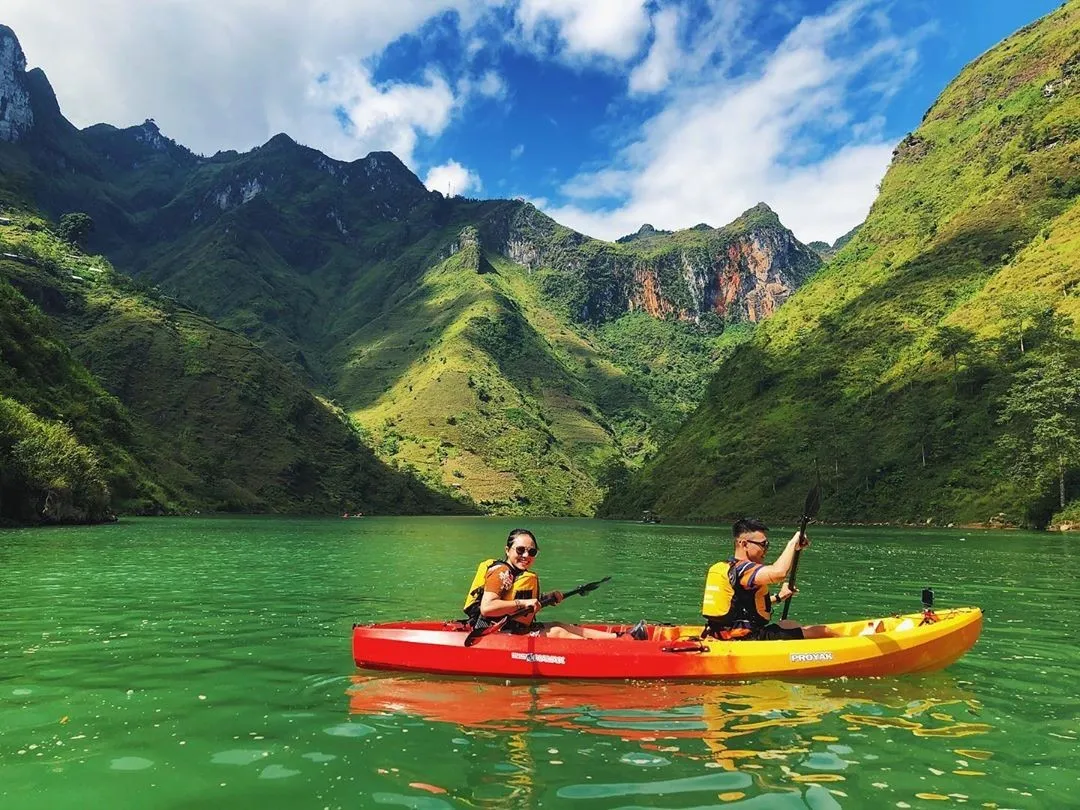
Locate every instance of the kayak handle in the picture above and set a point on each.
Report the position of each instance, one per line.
(685, 647)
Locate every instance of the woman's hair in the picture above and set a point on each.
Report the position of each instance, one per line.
(516, 533)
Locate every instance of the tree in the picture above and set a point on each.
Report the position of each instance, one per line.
(75, 227)
(1041, 413)
(1023, 311)
(953, 341)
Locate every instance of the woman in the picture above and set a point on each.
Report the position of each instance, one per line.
(504, 587)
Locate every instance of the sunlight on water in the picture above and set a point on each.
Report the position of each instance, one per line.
(206, 662)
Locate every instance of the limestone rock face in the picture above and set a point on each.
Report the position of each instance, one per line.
(16, 116)
(741, 272)
(745, 279)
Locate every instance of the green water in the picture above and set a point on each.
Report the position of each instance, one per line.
(188, 663)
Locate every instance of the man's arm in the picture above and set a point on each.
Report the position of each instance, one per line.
(778, 571)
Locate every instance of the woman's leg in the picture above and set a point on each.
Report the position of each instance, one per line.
(563, 630)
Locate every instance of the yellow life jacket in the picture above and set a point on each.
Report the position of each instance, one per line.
(526, 585)
(728, 604)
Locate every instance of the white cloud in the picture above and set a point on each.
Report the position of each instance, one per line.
(452, 179)
(652, 75)
(491, 84)
(228, 75)
(737, 123)
(390, 117)
(720, 146)
(587, 28)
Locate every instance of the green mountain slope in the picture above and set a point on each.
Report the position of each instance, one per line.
(476, 382)
(195, 417)
(64, 441)
(896, 372)
(535, 366)
(592, 352)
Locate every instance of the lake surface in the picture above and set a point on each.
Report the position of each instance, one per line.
(198, 662)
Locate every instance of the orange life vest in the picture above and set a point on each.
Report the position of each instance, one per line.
(524, 585)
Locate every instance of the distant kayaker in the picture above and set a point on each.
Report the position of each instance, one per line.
(504, 587)
(737, 603)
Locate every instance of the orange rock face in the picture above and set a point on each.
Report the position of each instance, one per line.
(747, 280)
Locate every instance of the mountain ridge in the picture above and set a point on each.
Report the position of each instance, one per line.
(334, 268)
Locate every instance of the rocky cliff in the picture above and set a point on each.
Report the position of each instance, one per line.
(16, 117)
(741, 272)
(747, 273)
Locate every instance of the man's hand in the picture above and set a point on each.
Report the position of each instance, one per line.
(801, 540)
(556, 597)
(786, 592)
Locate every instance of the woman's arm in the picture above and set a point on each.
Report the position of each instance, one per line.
(492, 606)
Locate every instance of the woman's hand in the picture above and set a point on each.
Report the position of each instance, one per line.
(532, 605)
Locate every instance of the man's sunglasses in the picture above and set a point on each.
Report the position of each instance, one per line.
(521, 551)
(763, 543)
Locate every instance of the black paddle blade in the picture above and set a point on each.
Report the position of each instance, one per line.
(589, 587)
(813, 502)
(478, 633)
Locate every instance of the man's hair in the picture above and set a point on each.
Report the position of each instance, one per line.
(747, 525)
(516, 533)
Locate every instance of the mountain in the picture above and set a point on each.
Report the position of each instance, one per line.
(644, 232)
(500, 357)
(928, 372)
(115, 398)
(827, 251)
(178, 414)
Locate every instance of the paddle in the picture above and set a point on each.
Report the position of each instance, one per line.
(810, 510)
(478, 633)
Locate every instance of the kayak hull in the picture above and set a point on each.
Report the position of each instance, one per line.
(903, 644)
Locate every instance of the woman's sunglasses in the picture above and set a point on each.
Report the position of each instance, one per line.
(521, 551)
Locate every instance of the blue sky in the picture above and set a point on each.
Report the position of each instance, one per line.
(605, 113)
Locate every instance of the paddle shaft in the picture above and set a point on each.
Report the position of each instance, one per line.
(795, 565)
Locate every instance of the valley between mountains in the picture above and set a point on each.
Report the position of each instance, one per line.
(279, 331)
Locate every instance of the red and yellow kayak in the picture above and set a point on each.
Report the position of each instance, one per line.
(901, 644)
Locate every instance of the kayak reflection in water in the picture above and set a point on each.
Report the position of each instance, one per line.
(737, 602)
(508, 590)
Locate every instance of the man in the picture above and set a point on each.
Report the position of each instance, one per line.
(737, 601)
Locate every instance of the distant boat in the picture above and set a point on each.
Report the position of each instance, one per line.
(357, 515)
(648, 517)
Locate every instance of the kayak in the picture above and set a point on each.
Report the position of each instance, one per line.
(892, 645)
